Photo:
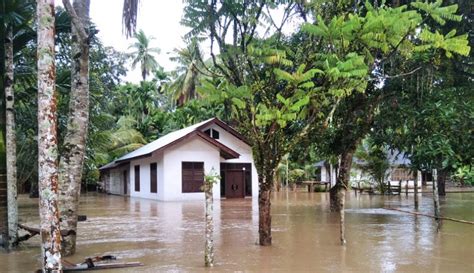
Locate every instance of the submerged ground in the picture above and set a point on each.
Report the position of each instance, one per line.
(169, 237)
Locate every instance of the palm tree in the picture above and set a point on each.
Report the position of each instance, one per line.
(129, 17)
(187, 74)
(16, 20)
(143, 53)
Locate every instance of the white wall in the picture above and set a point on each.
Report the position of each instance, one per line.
(169, 168)
(242, 148)
(145, 177)
(194, 150)
(115, 181)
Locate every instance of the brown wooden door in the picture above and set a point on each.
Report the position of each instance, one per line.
(234, 184)
(125, 182)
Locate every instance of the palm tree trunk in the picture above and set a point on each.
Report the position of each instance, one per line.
(3, 168)
(11, 142)
(74, 147)
(209, 246)
(47, 140)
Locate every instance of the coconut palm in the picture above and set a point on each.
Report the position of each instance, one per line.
(143, 53)
(187, 74)
(129, 17)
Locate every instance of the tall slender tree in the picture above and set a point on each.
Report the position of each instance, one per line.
(3, 163)
(74, 146)
(47, 140)
(143, 53)
(188, 73)
(10, 141)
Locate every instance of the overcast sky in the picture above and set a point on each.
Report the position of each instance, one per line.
(158, 18)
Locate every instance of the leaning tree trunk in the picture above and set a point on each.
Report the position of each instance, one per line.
(10, 142)
(47, 140)
(209, 245)
(338, 192)
(74, 147)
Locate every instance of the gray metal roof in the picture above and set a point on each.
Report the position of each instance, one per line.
(162, 141)
(172, 138)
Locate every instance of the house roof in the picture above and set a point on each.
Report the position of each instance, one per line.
(395, 158)
(178, 136)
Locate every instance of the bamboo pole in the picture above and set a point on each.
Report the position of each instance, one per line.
(432, 216)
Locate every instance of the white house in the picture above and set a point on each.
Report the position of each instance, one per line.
(173, 166)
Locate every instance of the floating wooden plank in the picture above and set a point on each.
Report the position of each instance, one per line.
(102, 266)
(432, 216)
(34, 231)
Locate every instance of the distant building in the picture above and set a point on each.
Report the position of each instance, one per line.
(399, 170)
(173, 166)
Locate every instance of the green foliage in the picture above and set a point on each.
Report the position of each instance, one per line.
(465, 175)
(437, 12)
(212, 177)
(296, 175)
(374, 162)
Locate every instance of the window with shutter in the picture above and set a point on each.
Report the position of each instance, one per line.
(137, 178)
(192, 176)
(153, 178)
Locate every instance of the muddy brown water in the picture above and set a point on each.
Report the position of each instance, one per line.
(169, 237)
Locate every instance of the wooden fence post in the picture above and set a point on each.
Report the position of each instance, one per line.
(415, 181)
(436, 199)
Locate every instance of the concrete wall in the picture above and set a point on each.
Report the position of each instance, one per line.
(115, 181)
(144, 164)
(242, 148)
(194, 150)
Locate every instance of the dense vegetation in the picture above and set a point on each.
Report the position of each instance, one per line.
(397, 73)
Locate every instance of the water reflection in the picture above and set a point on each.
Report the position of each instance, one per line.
(169, 236)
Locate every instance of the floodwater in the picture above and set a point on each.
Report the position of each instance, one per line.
(169, 237)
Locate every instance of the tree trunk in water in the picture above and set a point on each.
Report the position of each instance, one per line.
(264, 217)
(72, 158)
(342, 227)
(342, 180)
(338, 192)
(436, 199)
(443, 174)
(12, 191)
(47, 140)
(415, 184)
(209, 247)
